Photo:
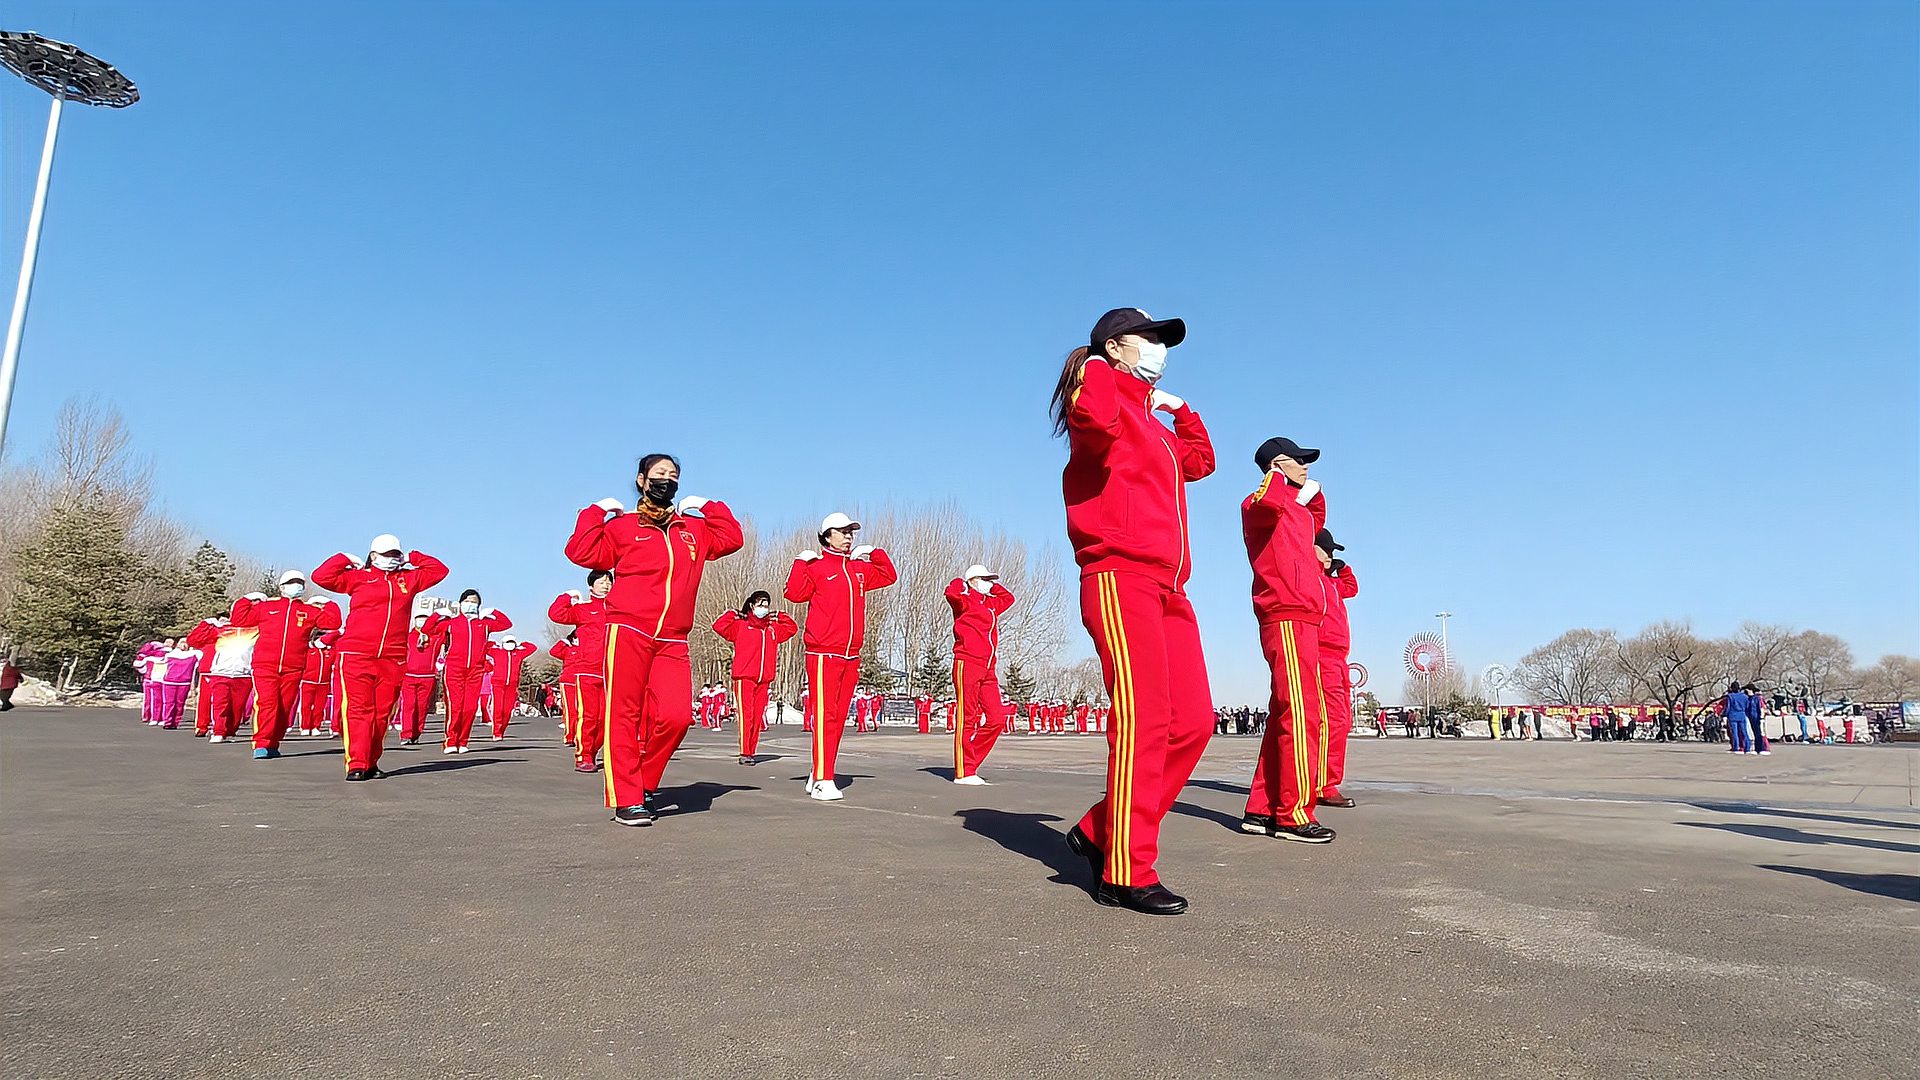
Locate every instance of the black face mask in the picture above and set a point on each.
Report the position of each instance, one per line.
(660, 492)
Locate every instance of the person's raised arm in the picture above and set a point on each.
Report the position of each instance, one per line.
(427, 570)
(956, 595)
(336, 574)
(243, 613)
(783, 627)
(1093, 416)
(883, 573)
(495, 621)
(799, 588)
(561, 610)
(724, 536)
(590, 546)
(1000, 599)
(727, 624)
(1345, 582)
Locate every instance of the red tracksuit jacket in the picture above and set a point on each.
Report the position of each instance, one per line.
(1278, 528)
(320, 659)
(380, 602)
(466, 638)
(506, 664)
(976, 621)
(834, 587)
(656, 568)
(756, 642)
(565, 653)
(286, 631)
(423, 648)
(1126, 481)
(589, 621)
(1334, 634)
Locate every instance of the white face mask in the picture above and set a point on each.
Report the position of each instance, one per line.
(1153, 361)
(388, 562)
(292, 589)
(982, 585)
(760, 611)
(469, 607)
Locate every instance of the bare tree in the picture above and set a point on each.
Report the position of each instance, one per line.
(1577, 668)
(1668, 663)
(1891, 678)
(1757, 652)
(1820, 664)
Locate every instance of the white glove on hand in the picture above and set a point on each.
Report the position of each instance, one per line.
(1163, 400)
(256, 597)
(611, 506)
(575, 594)
(487, 613)
(1307, 491)
(692, 502)
(808, 555)
(863, 551)
(352, 560)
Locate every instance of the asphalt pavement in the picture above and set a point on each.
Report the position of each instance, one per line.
(176, 909)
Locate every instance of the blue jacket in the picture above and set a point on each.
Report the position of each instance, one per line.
(1739, 706)
(1753, 706)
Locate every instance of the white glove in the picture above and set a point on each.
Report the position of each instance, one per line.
(575, 593)
(863, 551)
(692, 502)
(352, 560)
(808, 555)
(1163, 400)
(1307, 491)
(256, 597)
(487, 613)
(611, 506)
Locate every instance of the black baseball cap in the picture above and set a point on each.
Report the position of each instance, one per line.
(1324, 541)
(1131, 320)
(1278, 446)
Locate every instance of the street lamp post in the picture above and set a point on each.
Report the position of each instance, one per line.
(1444, 649)
(68, 74)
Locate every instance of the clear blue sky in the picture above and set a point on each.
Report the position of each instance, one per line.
(1603, 312)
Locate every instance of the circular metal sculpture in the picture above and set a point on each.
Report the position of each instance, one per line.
(1357, 674)
(1425, 654)
(1494, 676)
(65, 71)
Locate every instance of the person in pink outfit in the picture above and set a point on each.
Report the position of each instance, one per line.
(176, 677)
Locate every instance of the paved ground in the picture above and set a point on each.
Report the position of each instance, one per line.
(172, 909)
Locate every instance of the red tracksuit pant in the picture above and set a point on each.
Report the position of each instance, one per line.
(750, 706)
(463, 700)
(648, 707)
(1336, 688)
(569, 688)
(275, 695)
(202, 705)
(313, 706)
(1287, 778)
(830, 684)
(1156, 677)
(590, 702)
(369, 688)
(225, 698)
(976, 696)
(416, 700)
(500, 705)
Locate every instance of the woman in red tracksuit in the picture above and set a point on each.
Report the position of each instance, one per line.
(1125, 488)
(978, 600)
(588, 616)
(834, 586)
(1336, 683)
(466, 639)
(657, 554)
(423, 668)
(316, 683)
(287, 625)
(504, 662)
(372, 648)
(755, 632)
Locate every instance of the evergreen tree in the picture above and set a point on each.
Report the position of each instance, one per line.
(208, 574)
(875, 674)
(1018, 687)
(935, 673)
(75, 578)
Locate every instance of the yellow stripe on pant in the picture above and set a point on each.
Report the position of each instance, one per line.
(606, 716)
(346, 719)
(959, 729)
(1120, 784)
(1302, 760)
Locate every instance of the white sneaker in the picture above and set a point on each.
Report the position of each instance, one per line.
(450, 750)
(1767, 753)
(216, 738)
(826, 791)
(971, 781)
(463, 749)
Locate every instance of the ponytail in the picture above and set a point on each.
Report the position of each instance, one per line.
(1063, 390)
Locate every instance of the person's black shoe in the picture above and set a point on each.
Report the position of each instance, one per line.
(376, 774)
(745, 760)
(1311, 833)
(1152, 899)
(356, 775)
(1257, 824)
(651, 800)
(1082, 845)
(633, 815)
(1342, 801)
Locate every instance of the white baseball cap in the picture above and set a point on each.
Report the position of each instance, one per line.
(978, 571)
(384, 543)
(838, 520)
(291, 575)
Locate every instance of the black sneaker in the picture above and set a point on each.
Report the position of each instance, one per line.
(1082, 845)
(633, 815)
(1342, 801)
(354, 776)
(651, 800)
(1258, 824)
(376, 774)
(745, 760)
(1311, 833)
(1153, 899)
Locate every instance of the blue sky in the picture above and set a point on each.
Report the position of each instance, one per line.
(1603, 312)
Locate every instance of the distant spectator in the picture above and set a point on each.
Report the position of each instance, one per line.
(9, 682)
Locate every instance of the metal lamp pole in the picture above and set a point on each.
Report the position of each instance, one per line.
(66, 73)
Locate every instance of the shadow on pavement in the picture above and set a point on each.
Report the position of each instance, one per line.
(939, 772)
(1029, 835)
(1224, 820)
(329, 752)
(1896, 886)
(843, 780)
(1221, 786)
(1808, 815)
(452, 764)
(697, 798)
(1798, 836)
